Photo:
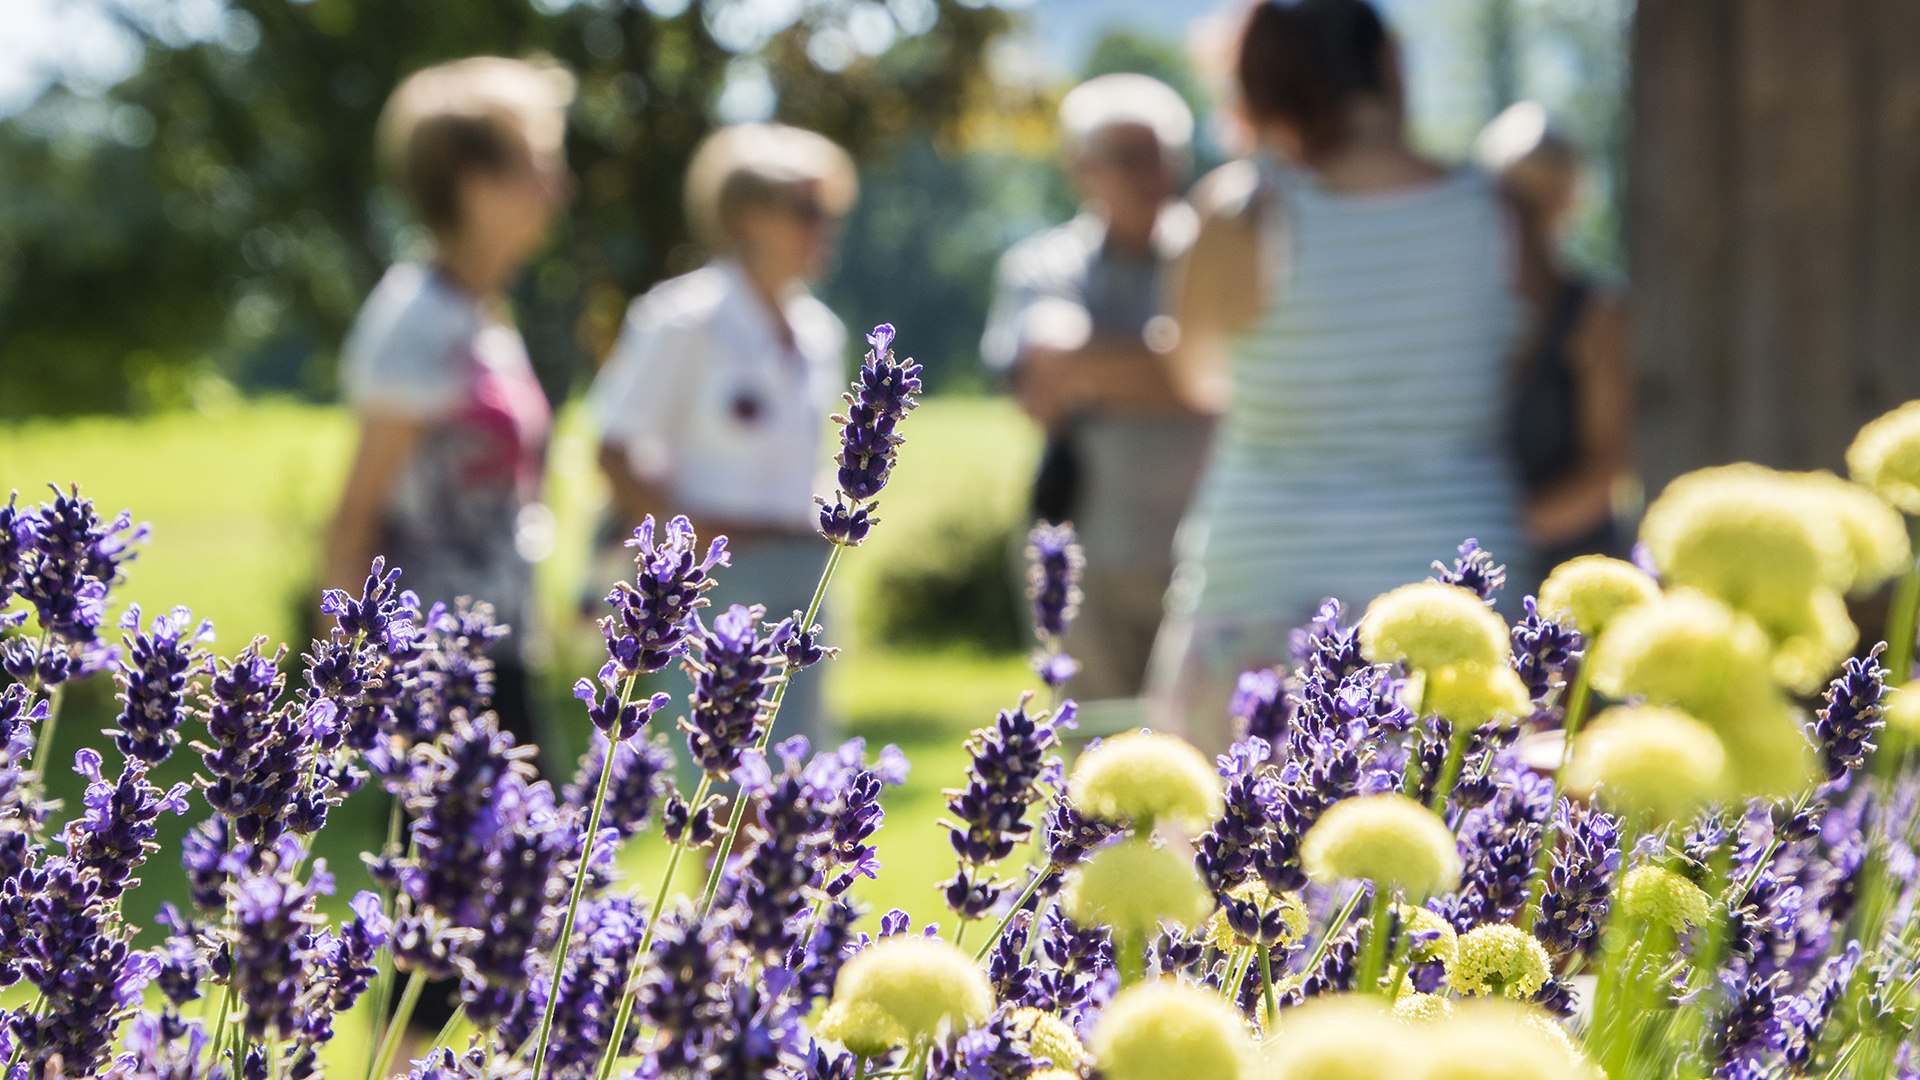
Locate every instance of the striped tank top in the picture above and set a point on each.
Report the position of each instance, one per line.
(1366, 433)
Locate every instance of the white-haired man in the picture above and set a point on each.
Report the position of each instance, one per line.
(1076, 329)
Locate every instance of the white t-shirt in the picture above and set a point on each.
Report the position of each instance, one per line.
(709, 402)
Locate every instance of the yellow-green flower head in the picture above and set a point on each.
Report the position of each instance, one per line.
(1429, 625)
(1422, 1008)
(1146, 777)
(1590, 590)
(1134, 885)
(1049, 1038)
(1389, 840)
(1768, 753)
(1341, 1037)
(1287, 905)
(1740, 533)
(1651, 760)
(1811, 641)
(1662, 897)
(1055, 1074)
(1470, 695)
(1875, 533)
(1498, 959)
(1167, 1030)
(1902, 712)
(1885, 457)
(864, 1028)
(1432, 937)
(922, 984)
(1687, 650)
(1489, 1039)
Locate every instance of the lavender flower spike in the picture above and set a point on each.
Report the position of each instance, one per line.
(1054, 564)
(884, 391)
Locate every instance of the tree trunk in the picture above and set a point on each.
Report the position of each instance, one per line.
(1773, 226)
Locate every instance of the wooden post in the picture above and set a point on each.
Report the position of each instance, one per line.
(1773, 226)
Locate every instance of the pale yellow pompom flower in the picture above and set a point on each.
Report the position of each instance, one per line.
(1745, 534)
(1341, 1037)
(1490, 1039)
(922, 984)
(1145, 777)
(1885, 457)
(864, 1028)
(1499, 960)
(1389, 840)
(1469, 695)
(1810, 641)
(1768, 753)
(1875, 533)
(1429, 625)
(1902, 712)
(1135, 885)
(1663, 897)
(1422, 1008)
(1650, 760)
(1049, 1038)
(1430, 937)
(1685, 649)
(1168, 1030)
(1590, 590)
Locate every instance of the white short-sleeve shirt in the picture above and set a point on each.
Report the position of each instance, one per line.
(708, 401)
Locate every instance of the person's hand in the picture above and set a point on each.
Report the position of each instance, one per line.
(1046, 388)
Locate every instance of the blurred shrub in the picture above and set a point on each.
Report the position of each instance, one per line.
(952, 581)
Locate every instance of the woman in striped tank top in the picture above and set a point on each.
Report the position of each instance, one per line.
(1353, 305)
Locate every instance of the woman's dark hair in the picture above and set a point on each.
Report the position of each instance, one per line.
(1303, 62)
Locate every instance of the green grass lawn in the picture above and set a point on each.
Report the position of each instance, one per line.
(237, 500)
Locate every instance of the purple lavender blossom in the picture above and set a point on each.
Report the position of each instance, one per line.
(986, 1052)
(1006, 762)
(1500, 843)
(682, 992)
(78, 957)
(273, 912)
(1225, 853)
(361, 665)
(641, 773)
(884, 391)
(778, 878)
(606, 937)
(1260, 706)
(801, 648)
(1580, 884)
(737, 665)
(115, 832)
(1754, 1029)
(153, 675)
(653, 617)
(1846, 724)
(1545, 653)
(1055, 562)
(1473, 570)
(65, 559)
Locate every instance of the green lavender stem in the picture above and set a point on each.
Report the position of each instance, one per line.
(1375, 958)
(1039, 876)
(573, 902)
(623, 1015)
(734, 822)
(409, 997)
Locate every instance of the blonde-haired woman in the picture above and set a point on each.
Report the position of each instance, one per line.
(712, 402)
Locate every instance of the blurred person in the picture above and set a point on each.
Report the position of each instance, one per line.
(1073, 330)
(1354, 307)
(714, 401)
(446, 480)
(1573, 410)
